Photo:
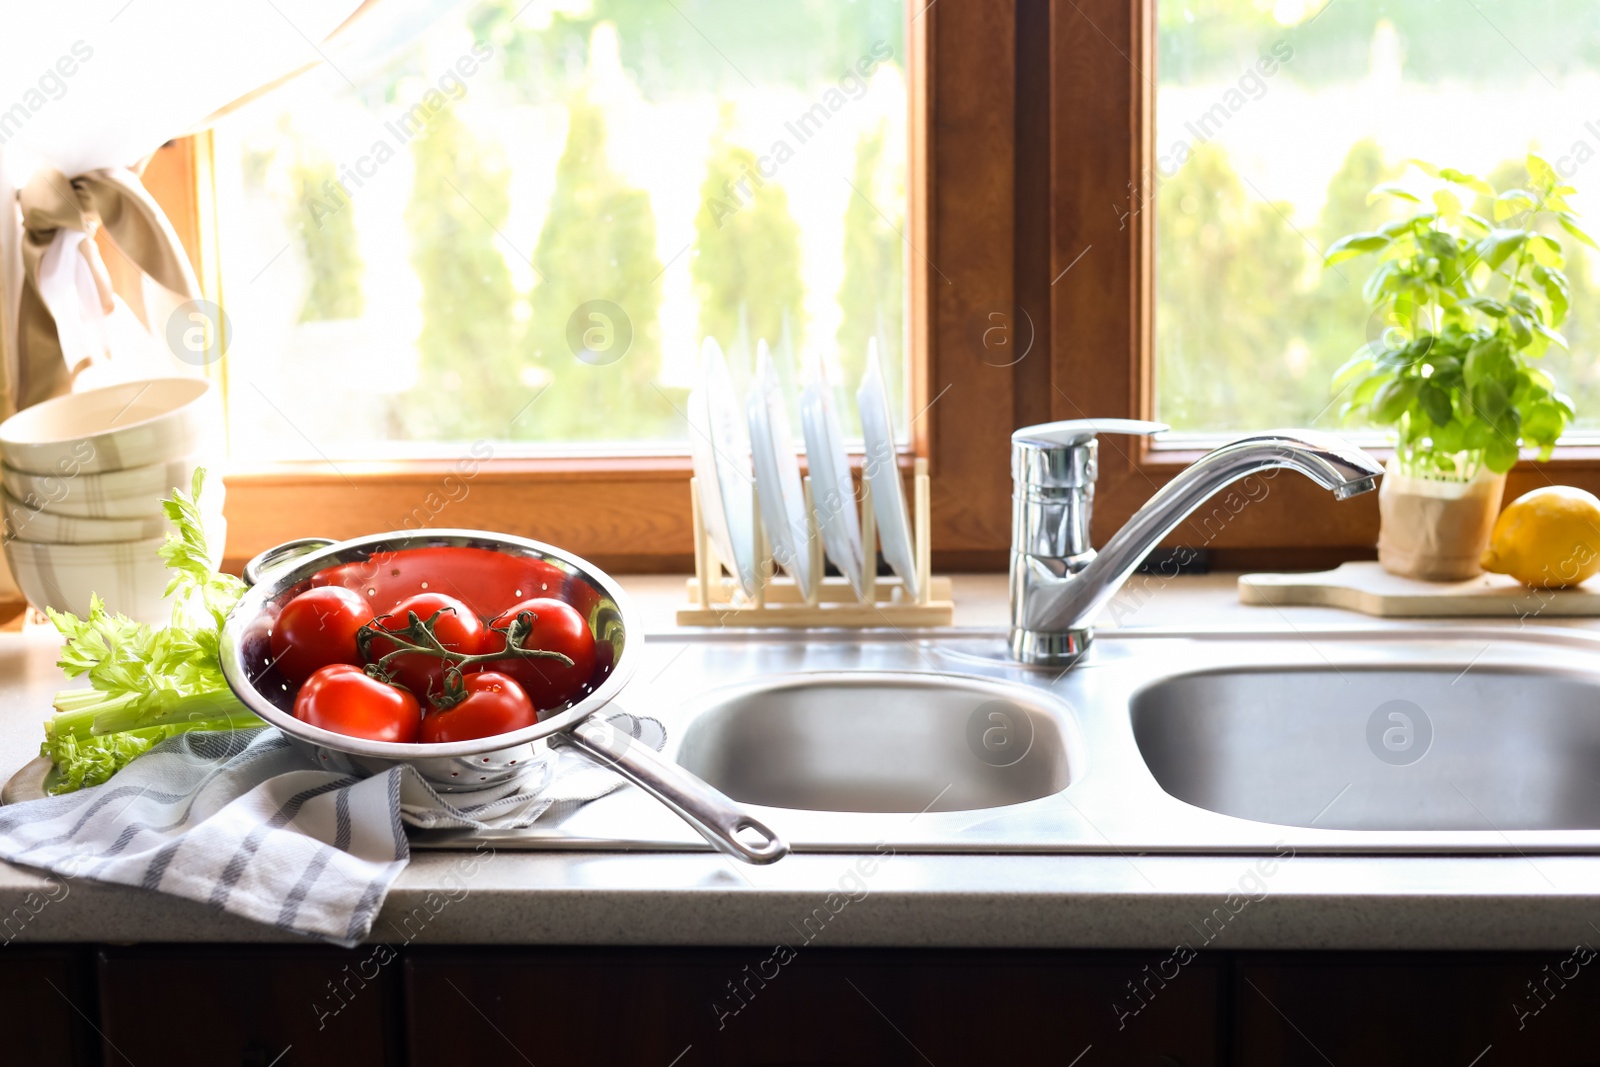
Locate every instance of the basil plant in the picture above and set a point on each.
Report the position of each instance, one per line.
(1469, 306)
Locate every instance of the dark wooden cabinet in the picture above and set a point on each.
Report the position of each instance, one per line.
(1470, 1010)
(247, 1006)
(744, 1007)
(303, 1006)
(48, 1006)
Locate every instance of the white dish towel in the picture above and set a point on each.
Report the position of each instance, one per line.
(244, 823)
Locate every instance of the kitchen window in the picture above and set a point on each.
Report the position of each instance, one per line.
(1275, 119)
(480, 263)
(1040, 280)
(516, 228)
(1110, 259)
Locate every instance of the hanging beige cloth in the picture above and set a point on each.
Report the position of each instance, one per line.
(88, 100)
(51, 203)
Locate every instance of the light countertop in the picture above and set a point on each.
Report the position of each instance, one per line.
(1011, 900)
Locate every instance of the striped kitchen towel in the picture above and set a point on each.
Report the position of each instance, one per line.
(243, 822)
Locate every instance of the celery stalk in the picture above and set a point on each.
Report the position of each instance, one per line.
(166, 709)
(146, 683)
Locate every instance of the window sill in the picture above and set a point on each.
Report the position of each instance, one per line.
(630, 514)
(625, 514)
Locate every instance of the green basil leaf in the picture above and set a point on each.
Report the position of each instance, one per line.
(1440, 244)
(1542, 173)
(1393, 189)
(1512, 202)
(1546, 251)
(1353, 368)
(1545, 423)
(1461, 178)
(1569, 222)
(1394, 398)
(1401, 226)
(1487, 361)
(1381, 281)
(1486, 304)
(1436, 403)
(1357, 244)
(1554, 285)
(1501, 454)
(1488, 401)
(1551, 335)
(1521, 301)
(1521, 329)
(1495, 248)
(1368, 388)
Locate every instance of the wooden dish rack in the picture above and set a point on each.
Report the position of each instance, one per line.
(716, 600)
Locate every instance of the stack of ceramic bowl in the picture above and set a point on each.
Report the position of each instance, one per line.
(83, 477)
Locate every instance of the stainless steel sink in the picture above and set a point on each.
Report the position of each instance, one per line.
(881, 742)
(1377, 738)
(1379, 749)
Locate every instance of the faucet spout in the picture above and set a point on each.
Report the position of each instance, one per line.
(1054, 599)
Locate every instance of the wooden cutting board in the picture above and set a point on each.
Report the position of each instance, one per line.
(1368, 588)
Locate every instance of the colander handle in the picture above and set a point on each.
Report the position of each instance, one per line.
(278, 555)
(717, 818)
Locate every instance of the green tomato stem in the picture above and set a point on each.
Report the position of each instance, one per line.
(418, 638)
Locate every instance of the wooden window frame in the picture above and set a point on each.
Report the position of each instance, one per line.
(1030, 299)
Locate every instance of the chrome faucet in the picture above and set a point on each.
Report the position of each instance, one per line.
(1059, 583)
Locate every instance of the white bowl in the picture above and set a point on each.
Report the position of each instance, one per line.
(30, 522)
(133, 424)
(131, 494)
(129, 575)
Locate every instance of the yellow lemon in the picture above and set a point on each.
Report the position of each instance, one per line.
(1549, 538)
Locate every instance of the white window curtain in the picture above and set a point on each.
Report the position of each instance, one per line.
(87, 89)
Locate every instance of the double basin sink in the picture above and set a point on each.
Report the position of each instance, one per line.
(1395, 738)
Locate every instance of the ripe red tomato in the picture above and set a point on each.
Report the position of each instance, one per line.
(317, 628)
(557, 627)
(457, 628)
(343, 698)
(494, 704)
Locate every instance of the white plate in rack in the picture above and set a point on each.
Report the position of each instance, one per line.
(720, 446)
(888, 495)
(782, 497)
(832, 489)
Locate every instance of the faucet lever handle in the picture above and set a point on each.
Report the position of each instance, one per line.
(1081, 431)
(1061, 455)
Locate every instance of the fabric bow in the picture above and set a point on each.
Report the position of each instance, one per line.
(66, 291)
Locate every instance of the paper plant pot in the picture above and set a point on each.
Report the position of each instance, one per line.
(1436, 530)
